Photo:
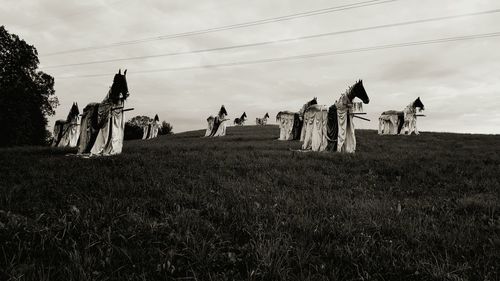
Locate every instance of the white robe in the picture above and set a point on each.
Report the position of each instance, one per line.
(70, 133)
(58, 127)
(410, 120)
(315, 129)
(346, 138)
(145, 131)
(155, 129)
(106, 144)
(221, 131)
(307, 128)
(74, 134)
(286, 122)
(388, 124)
(85, 132)
(319, 140)
(210, 127)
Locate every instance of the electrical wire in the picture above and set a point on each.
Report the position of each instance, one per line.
(286, 40)
(308, 56)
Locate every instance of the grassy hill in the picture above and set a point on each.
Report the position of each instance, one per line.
(245, 207)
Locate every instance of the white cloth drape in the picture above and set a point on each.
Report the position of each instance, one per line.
(150, 131)
(410, 120)
(58, 127)
(315, 128)
(145, 131)
(286, 121)
(210, 127)
(109, 141)
(85, 129)
(69, 132)
(347, 137)
(221, 130)
(155, 129)
(388, 124)
(74, 134)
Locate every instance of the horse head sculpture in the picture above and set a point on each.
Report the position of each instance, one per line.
(418, 104)
(222, 111)
(358, 91)
(119, 88)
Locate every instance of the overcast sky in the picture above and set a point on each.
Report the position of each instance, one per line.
(459, 82)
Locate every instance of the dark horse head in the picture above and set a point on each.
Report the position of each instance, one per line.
(244, 115)
(312, 102)
(156, 118)
(222, 111)
(358, 91)
(267, 115)
(307, 105)
(418, 103)
(119, 89)
(73, 112)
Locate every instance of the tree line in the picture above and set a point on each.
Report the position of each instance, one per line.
(134, 127)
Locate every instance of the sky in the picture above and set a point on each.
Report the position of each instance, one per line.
(458, 82)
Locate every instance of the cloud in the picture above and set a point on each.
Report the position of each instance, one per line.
(457, 81)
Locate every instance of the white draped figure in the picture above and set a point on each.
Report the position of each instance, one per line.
(109, 140)
(394, 122)
(287, 121)
(103, 124)
(66, 132)
(410, 119)
(217, 125)
(302, 112)
(389, 123)
(332, 128)
(145, 130)
(346, 141)
(151, 129)
(155, 128)
(315, 130)
(291, 123)
(210, 121)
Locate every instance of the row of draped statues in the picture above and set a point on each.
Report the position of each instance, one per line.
(100, 131)
(217, 124)
(321, 128)
(329, 128)
(325, 128)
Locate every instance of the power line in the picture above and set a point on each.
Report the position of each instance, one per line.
(280, 40)
(229, 27)
(307, 56)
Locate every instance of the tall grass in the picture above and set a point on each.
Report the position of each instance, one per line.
(246, 207)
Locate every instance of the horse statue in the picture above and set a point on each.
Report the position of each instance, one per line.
(102, 125)
(290, 122)
(150, 130)
(240, 121)
(217, 125)
(262, 121)
(66, 132)
(393, 122)
(332, 128)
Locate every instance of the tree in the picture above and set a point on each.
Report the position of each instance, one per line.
(140, 121)
(133, 127)
(166, 128)
(26, 94)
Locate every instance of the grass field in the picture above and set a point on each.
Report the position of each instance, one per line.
(245, 207)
